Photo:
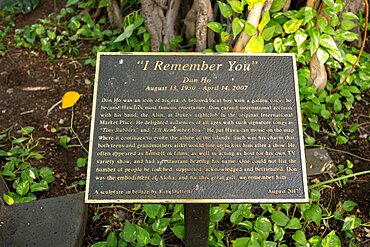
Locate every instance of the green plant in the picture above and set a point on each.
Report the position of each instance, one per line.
(6, 23)
(306, 34)
(26, 179)
(18, 6)
(134, 38)
(155, 220)
(63, 35)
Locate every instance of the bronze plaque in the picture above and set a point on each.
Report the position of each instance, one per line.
(196, 128)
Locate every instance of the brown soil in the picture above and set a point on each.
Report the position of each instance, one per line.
(30, 86)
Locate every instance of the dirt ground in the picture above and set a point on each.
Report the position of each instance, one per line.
(30, 86)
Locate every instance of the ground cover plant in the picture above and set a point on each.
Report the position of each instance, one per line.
(56, 44)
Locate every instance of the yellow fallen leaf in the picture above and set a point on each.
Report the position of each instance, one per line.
(69, 99)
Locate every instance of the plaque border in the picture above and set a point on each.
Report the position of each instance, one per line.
(203, 200)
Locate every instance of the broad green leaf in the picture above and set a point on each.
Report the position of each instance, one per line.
(23, 188)
(103, 4)
(223, 47)
(74, 24)
(215, 26)
(346, 93)
(343, 35)
(46, 174)
(341, 140)
(337, 105)
(332, 98)
(330, 3)
(299, 38)
(315, 195)
(331, 240)
(126, 33)
(112, 240)
(8, 199)
(100, 244)
(314, 39)
(279, 233)
(294, 223)
(179, 231)
(335, 54)
(315, 241)
(236, 217)
(19, 140)
(71, 2)
(285, 206)
(334, 21)
(279, 45)
(309, 140)
(327, 41)
(325, 113)
(353, 127)
(28, 198)
(129, 232)
(314, 213)
(292, 26)
(237, 26)
(246, 225)
(354, 89)
(300, 237)
(349, 16)
(250, 29)
(351, 222)
(36, 155)
(322, 55)
(69, 99)
(142, 235)
(63, 141)
(225, 36)
(4, 153)
(156, 240)
(152, 210)
(306, 13)
(240, 242)
(268, 33)
(279, 218)
(8, 173)
(43, 185)
(225, 9)
(255, 45)
(257, 237)
(348, 25)
(216, 214)
(237, 6)
(27, 130)
(160, 225)
(263, 224)
(277, 5)
(138, 21)
(28, 175)
(265, 19)
(81, 162)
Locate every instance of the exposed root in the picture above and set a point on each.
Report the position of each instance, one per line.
(201, 24)
(114, 14)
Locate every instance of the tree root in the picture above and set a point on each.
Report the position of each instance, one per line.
(171, 18)
(114, 14)
(204, 9)
(153, 22)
